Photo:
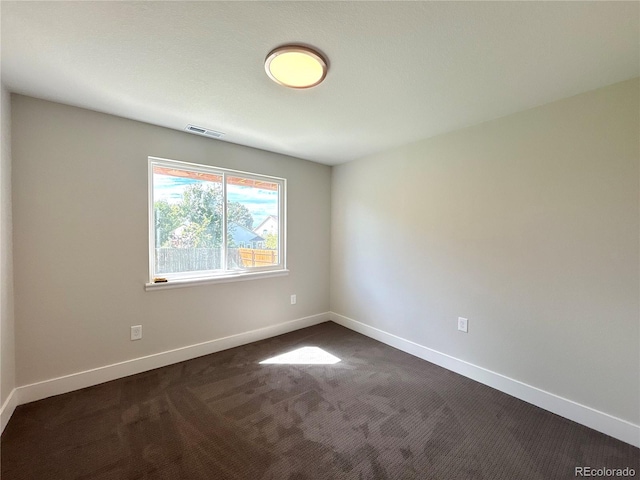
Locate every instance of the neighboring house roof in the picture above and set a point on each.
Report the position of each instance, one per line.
(237, 232)
(270, 218)
(240, 234)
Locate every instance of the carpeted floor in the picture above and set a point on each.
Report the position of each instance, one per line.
(377, 414)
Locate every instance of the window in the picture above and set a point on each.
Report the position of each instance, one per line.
(208, 223)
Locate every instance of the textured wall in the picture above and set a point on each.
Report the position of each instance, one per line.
(81, 243)
(526, 225)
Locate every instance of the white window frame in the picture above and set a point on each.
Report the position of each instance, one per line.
(223, 275)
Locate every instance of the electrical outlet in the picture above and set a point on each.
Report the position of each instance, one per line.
(136, 332)
(463, 324)
(293, 300)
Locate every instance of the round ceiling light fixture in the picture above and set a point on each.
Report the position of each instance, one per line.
(295, 66)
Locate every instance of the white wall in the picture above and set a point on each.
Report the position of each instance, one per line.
(526, 225)
(81, 241)
(7, 346)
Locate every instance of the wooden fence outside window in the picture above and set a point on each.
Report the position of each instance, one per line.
(258, 258)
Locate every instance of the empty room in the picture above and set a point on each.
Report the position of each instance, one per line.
(272, 240)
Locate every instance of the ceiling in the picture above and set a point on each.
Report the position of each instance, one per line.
(398, 72)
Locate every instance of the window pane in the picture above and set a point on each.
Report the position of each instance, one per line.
(188, 220)
(252, 223)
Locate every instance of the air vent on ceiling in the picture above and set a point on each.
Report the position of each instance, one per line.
(204, 131)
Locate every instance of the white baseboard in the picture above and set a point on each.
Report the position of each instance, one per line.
(87, 378)
(587, 416)
(7, 409)
(600, 421)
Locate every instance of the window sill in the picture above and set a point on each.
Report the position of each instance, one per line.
(193, 282)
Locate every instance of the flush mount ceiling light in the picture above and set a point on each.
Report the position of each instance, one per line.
(295, 66)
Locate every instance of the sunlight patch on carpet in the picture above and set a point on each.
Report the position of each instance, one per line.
(303, 356)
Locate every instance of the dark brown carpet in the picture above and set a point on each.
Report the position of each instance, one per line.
(377, 414)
